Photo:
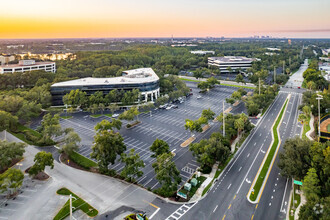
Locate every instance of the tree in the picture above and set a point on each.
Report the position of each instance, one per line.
(295, 160)
(203, 86)
(101, 107)
(311, 85)
(130, 114)
(106, 125)
(10, 151)
(159, 147)
(93, 108)
(198, 73)
(230, 100)
(71, 142)
(107, 145)
(75, 98)
(11, 180)
(208, 114)
(133, 163)
(50, 127)
(113, 108)
(7, 121)
(212, 81)
(193, 126)
(236, 95)
(311, 186)
(239, 125)
(167, 174)
(240, 79)
(41, 160)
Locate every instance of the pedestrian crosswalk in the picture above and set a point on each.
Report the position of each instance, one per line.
(181, 211)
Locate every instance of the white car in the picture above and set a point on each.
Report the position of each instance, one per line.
(168, 108)
(115, 115)
(198, 97)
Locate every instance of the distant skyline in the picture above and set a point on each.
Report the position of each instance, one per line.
(153, 18)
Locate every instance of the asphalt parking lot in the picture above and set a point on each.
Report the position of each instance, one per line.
(167, 125)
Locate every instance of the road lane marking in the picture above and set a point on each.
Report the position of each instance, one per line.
(223, 217)
(234, 196)
(252, 217)
(239, 169)
(229, 206)
(215, 208)
(153, 214)
(229, 186)
(257, 206)
(248, 155)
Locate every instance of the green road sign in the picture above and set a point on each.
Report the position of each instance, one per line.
(297, 182)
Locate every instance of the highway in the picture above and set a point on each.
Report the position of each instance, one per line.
(227, 198)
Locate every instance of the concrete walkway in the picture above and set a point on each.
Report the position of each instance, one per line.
(311, 125)
(302, 202)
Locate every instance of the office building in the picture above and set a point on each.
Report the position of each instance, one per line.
(144, 79)
(5, 59)
(234, 62)
(28, 65)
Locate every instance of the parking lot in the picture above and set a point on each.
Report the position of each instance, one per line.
(167, 125)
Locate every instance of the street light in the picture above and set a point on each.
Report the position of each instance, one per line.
(319, 97)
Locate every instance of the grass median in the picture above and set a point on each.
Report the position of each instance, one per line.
(266, 165)
(224, 84)
(77, 203)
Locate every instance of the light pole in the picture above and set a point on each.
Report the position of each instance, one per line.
(319, 97)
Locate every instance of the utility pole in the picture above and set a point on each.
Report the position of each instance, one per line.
(223, 116)
(274, 75)
(259, 85)
(293, 191)
(5, 134)
(283, 67)
(71, 207)
(319, 97)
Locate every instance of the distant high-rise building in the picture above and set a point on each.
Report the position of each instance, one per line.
(289, 41)
(5, 59)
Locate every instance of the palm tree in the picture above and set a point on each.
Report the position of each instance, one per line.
(239, 125)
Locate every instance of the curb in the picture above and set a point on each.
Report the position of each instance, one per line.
(265, 157)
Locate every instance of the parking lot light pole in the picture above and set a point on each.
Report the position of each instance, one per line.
(70, 206)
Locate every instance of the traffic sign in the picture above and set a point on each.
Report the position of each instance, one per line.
(297, 182)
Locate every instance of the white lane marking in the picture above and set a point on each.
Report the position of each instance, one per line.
(229, 186)
(286, 185)
(248, 155)
(153, 214)
(239, 169)
(215, 208)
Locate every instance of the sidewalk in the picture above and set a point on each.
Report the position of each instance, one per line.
(209, 178)
(311, 125)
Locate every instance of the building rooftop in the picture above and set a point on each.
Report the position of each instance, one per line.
(20, 65)
(141, 75)
(229, 59)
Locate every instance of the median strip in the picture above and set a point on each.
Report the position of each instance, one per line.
(261, 177)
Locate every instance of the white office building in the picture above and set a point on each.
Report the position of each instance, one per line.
(143, 79)
(202, 52)
(234, 62)
(28, 65)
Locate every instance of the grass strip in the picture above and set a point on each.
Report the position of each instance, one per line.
(66, 117)
(82, 160)
(99, 115)
(269, 158)
(224, 84)
(296, 197)
(306, 128)
(29, 136)
(77, 203)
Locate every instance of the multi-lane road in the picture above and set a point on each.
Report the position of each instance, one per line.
(227, 199)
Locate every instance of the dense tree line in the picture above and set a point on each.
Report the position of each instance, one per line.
(309, 162)
(313, 78)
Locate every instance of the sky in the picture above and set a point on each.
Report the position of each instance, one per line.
(164, 18)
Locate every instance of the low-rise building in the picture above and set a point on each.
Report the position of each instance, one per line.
(202, 52)
(28, 65)
(234, 62)
(143, 79)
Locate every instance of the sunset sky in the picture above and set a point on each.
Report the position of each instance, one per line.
(155, 18)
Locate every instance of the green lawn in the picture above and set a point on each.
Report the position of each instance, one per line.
(98, 115)
(66, 117)
(269, 158)
(77, 203)
(224, 84)
(306, 128)
(28, 135)
(82, 161)
(296, 197)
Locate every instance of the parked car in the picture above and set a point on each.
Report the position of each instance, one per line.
(199, 97)
(168, 108)
(115, 115)
(174, 106)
